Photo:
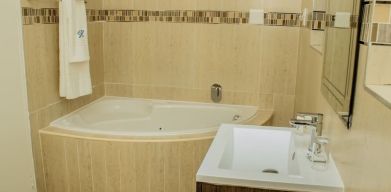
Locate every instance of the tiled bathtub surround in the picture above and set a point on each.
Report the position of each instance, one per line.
(170, 58)
(42, 62)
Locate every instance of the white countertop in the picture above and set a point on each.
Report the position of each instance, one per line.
(239, 153)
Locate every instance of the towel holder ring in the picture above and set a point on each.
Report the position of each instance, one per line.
(61, 0)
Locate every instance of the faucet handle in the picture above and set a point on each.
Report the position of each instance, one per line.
(313, 117)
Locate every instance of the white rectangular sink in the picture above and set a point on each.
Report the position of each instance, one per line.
(267, 158)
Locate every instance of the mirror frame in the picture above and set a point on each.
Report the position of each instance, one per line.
(344, 106)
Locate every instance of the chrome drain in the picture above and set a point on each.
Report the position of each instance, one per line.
(273, 171)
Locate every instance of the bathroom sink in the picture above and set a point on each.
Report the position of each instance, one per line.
(267, 158)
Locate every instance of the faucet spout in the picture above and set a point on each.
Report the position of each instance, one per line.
(312, 121)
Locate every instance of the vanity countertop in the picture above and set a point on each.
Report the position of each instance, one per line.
(265, 158)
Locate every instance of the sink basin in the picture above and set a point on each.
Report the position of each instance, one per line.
(267, 158)
(272, 151)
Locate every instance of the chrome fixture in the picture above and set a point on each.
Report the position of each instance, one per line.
(313, 122)
(236, 117)
(216, 93)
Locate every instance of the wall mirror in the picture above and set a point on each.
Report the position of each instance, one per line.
(340, 56)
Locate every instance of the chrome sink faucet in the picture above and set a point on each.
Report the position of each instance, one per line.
(313, 121)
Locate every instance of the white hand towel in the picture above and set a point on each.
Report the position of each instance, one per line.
(75, 79)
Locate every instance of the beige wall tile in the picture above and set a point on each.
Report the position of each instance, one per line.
(178, 4)
(210, 5)
(382, 13)
(359, 152)
(283, 109)
(95, 35)
(128, 167)
(39, 3)
(157, 177)
(119, 90)
(98, 164)
(265, 101)
(280, 52)
(293, 6)
(187, 169)
(122, 165)
(55, 165)
(143, 172)
(42, 63)
(249, 4)
(172, 167)
(113, 166)
(182, 61)
(41, 55)
(115, 4)
(146, 5)
(118, 53)
(72, 165)
(41, 119)
(377, 68)
(85, 166)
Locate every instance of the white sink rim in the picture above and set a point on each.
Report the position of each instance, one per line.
(307, 180)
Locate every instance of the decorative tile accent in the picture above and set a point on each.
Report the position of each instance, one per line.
(317, 20)
(42, 15)
(94, 15)
(177, 16)
(283, 19)
(376, 26)
(50, 16)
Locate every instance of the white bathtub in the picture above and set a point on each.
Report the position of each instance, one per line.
(143, 117)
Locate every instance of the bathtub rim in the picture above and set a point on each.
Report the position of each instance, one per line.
(260, 117)
(263, 117)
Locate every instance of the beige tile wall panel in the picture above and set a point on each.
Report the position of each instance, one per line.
(39, 3)
(91, 4)
(73, 164)
(360, 154)
(95, 35)
(182, 61)
(377, 71)
(41, 119)
(41, 55)
(42, 63)
(293, 6)
(155, 60)
(42, 71)
(280, 53)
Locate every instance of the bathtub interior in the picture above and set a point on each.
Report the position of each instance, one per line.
(152, 117)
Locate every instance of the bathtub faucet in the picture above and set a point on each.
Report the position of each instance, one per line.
(216, 92)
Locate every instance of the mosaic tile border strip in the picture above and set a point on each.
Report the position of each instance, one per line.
(177, 16)
(317, 20)
(50, 16)
(42, 15)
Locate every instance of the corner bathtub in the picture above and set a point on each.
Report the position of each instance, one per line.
(136, 145)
